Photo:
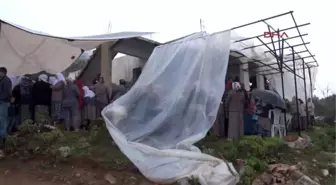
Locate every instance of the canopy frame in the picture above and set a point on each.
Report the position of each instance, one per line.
(280, 66)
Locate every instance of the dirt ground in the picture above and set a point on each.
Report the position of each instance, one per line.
(43, 172)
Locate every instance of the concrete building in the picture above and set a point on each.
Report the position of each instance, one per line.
(138, 51)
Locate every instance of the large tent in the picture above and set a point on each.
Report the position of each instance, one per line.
(25, 51)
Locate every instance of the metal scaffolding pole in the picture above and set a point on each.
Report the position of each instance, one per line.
(268, 18)
(298, 30)
(281, 61)
(259, 45)
(276, 63)
(286, 29)
(282, 82)
(291, 46)
(296, 95)
(311, 87)
(305, 91)
(310, 81)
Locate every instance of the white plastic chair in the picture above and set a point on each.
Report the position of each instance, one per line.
(278, 127)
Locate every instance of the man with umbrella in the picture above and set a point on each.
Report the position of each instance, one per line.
(264, 123)
(270, 97)
(267, 100)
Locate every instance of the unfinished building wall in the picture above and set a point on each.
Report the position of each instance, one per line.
(122, 67)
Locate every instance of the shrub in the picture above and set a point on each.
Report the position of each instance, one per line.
(324, 138)
(27, 128)
(48, 138)
(12, 143)
(42, 119)
(259, 147)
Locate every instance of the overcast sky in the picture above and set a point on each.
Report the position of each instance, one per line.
(173, 18)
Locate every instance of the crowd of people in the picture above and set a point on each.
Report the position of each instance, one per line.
(65, 101)
(75, 105)
(241, 114)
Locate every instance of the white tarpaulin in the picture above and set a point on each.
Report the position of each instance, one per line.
(24, 51)
(173, 105)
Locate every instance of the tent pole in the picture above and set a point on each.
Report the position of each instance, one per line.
(311, 84)
(305, 91)
(282, 82)
(296, 95)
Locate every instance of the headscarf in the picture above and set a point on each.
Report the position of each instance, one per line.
(60, 77)
(18, 80)
(52, 80)
(43, 77)
(88, 92)
(236, 86)
(79, 84)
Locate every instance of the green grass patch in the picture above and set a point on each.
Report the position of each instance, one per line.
(256, 152)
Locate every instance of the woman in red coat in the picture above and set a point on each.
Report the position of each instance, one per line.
(80, 86)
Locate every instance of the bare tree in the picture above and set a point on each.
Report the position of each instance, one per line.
(326, 91)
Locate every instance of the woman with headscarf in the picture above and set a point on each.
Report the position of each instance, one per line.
(41, 94)
(70, 106)
(52, 80)
(235, 103)
(57, 86)
(90, 108)
(102, 95)
(22, 94)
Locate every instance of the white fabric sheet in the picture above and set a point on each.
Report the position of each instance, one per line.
(25, 51)
(172, 106)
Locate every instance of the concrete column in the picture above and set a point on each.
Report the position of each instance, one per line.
(260, 81)
(244, 74)
(105, 62)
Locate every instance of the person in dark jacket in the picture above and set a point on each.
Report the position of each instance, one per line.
(41, 97)
(22, 96)
(122, 89)
(264, 121)
(5, 94)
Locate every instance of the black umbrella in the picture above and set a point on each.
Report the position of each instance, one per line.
(270, 97)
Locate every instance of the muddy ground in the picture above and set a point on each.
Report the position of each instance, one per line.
(42, 171)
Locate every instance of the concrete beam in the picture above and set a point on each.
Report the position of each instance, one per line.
(135, 47)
